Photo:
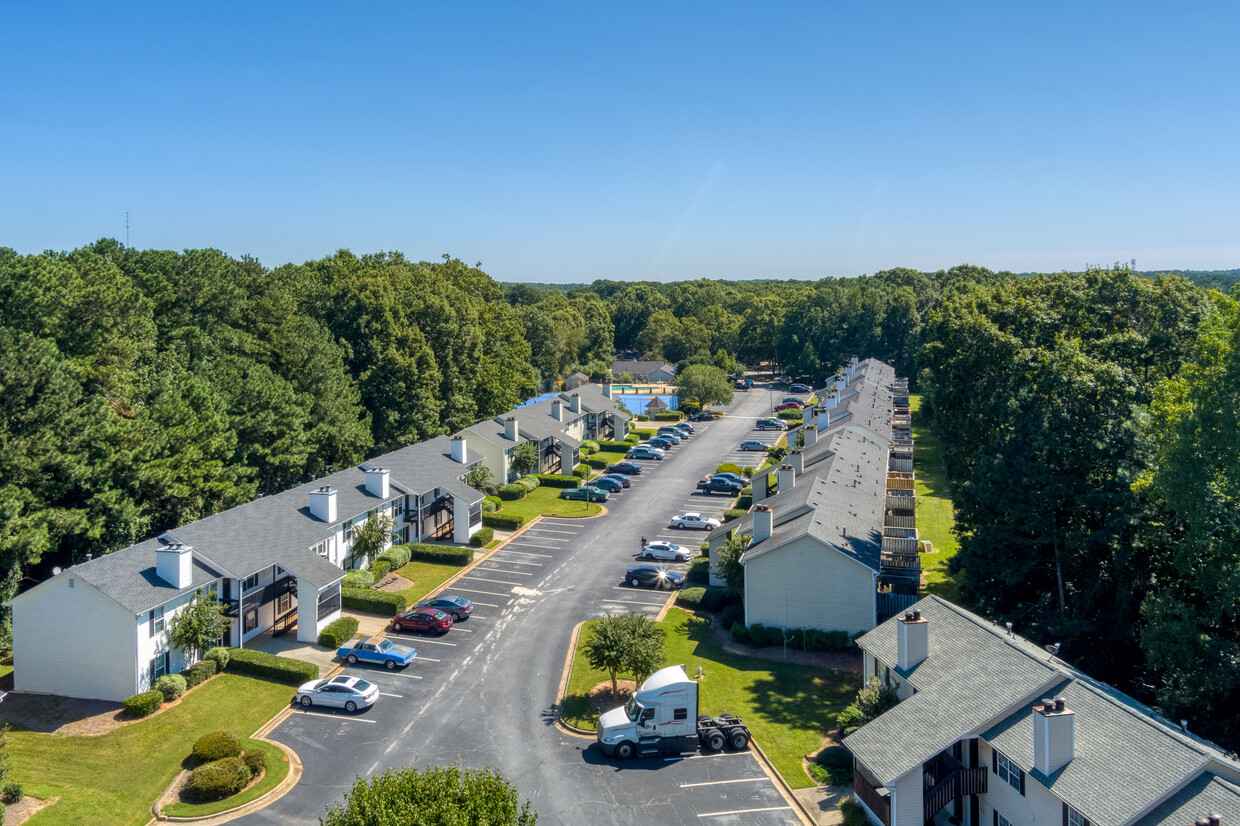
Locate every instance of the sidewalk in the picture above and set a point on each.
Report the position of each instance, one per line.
(820, 803)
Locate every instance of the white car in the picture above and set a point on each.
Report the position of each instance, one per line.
(694, 521)
(754, 444)
(349, 693)
(669, 551)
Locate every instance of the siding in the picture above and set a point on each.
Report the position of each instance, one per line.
(56, 652)
(805, 585)
(907, 806)
(1038, 807)
(492, 455)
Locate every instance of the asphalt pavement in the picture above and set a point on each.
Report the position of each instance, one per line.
(486, 693)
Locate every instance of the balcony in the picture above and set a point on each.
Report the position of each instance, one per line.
(900, 545)
(891, 520)
(876, 798)
(948, 780)
(901, 504)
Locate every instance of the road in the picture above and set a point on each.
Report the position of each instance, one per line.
(485, 694)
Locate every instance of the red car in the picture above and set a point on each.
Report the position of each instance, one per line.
(788, 406)
(422, 619)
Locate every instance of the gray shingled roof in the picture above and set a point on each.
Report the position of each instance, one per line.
(535, 421)
(640, 368)
(1205, 794)
(592, 399)
(870, 408)
(128, 577)
(428, 465)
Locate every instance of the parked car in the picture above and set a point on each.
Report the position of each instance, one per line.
(459, 607)
(754, 444)
(787, 406)
(670, 430)
(377, 651)
(663, 442)
(349, 693)
(695, 522)
(735, 477)
(720, 486)
(607, 484)
(654, 575)
(782, 379)
(748, 383)
(625, 468)
(790, 400)
(669, 551)
(772, 424)
(703, 416)
(589, 493)
(685, 425)
(422, 619)
(644, 452)
(801, 388)
(615, 477)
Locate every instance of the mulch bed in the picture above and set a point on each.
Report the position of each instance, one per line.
(603, 699)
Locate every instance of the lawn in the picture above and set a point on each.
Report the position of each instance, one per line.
(116, 777)
(546, 501)
(277, 770)
(935, 522)
(787, 707)
(612, 456)
(426, 577)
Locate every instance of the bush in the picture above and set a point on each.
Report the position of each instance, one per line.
(269, 666)
(482, 537)
(791, 415)
(444, 554)
(631, 439)
(807, 639)
(256, 761)
(699, 571)
(216, 745)
(853, 814)
(642, 417)
(744, 502)
(589, 446)
(668, 416)
(690, 597)
(199, 673)
(777, 453)
(384, 603)
(490, 505)
(380, 568)
(747, 472)
(530, 482)
(582, 471)
(171, 686)
(850, 719)
(504, 522)
(337, 632)
(734, 513)
(145, 704)
(732, 614)
(728, 467)
(558, 480)
(220, 656)
(358, 579)
(717, 598)
(11, 793)
(513, 492)
(398, 555)
(597, 464)
(217, 780)
(615, 446)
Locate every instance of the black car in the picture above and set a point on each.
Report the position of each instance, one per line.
(653, 575)
(720, 486)
(625, 468)
(615, 477)
(702, 417)
(459, 607)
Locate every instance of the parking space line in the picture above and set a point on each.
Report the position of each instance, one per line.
(635, 602)
(630, 589)
(744, 811)
(553, 530)
(488, 593)
(761, 777)
(710, 756)
(322, 715)
(497, 581)
(502, 571)
(487, 604)
(533, 545)
(516, 562)
(529, 553)
(406, 676)
(437, 642)
(385, 694)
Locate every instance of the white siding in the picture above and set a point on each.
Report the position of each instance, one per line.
(73, 641)
(149, 646)
(1038, 807)
(805, 585)
(907, 805)
(492, 455)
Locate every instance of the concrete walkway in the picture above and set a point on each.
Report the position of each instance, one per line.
(288, 646)
(820, 803)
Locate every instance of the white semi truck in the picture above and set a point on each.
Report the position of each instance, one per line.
(662, 718)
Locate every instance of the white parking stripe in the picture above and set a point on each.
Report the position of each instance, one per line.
(435, 642)
(529, 553)
(533, 545)
(502, 571)
(552, 530)
(487, 604)
(497, 581)
(708, 756)
(635, 602)
(744, 811)
(323, 715)
(517, 562)
(385, 694)
(488, 593)
(761, 777)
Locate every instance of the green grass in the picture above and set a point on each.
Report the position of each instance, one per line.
(612, 456)
(277, 770)
(787, 707)
(426, 577)
(494, 543)
(935, 521)
(116, 777)
(546, 501)
(6, 665)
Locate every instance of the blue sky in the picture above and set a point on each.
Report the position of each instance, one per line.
(574, 141)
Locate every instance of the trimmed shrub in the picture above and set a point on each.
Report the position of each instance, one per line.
(668, 416)
(171, 686)
(632, 439)
(853, 813)
(728, 467)
(582, 471)
(597, 464)
(144, 704)
(445, 554)
(217, 780)
(489, 505)
(642, 417)
(380, 568)
(11, 793)
(220, 656)
(699, 571)
(269, 666)
(199, 673)
(589, 446)
(338, 632)
(482, 537)
(530, 482)
(216, 745)
(744, 502)
(808, 639)
(504, 522)
(398, 555)
(717, 598)
(791, 415)
(734, 513)
(383, 603)
(777, 453)
(558, 480)
(358, 579)
(256, 761)
(615, 446)
(732, 613)
(690, 597)
(513, 492)
(747, 472)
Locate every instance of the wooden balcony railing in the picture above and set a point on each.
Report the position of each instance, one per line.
(878, 802)
(901, 546)
(910, 562)
(950, 780)
(899, 484)
(893, 520)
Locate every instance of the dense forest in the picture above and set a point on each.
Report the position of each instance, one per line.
(1089, 419)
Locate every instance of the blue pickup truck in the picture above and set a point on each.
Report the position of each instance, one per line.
(378, 651)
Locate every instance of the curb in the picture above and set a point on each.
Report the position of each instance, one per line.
(781, 784)
(562, 691)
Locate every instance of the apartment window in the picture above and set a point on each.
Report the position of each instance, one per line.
(1008, 772)
(160, 665)
(251, 620)
(1000, 820)
(321, 548)
(156, 621)
(284, 603)
(1074, 818)
(250, 582)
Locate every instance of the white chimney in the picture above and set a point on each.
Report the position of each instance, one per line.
(912, 640)
(377, 479)
(759, 487)
(852, 366)
(787, 478)
(510, 429)
(1054, 736)
(574, 403)
(763, 519)
(796, 460)
(458, 449)
(833, 398)
(824, 420)
(841, 383)
(174, 564)
(557, 411)
(806, 414)
(811, 434)
(323, 504)
(607, 389)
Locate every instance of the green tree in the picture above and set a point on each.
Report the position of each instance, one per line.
(371, 538)
(728, 562)
(705, 384)
(644, 652)
(433, 796)
(632, 311)
(478, 477)
(608, 646)
(524, 458)
(199, 625)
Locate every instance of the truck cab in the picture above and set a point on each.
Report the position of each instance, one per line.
(664, 707)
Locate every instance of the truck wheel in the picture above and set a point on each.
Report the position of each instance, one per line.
(715, 740)
(703, 718)
(625, 750)
(738, 739)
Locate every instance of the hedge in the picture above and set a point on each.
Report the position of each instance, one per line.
(734, 513)
(597, 464)
(744, 502)
(582, 471)
(489, 505)
(668, 416)
(791, 415)
(728, 467)
(558, 480)
(642, 417)
(256, 761)
(338, 632)
(199, 672)
(810, 639)
(615, 446)
(380, 568)
(718, 598)
(216, 745)
(690, 597)
(513, 492)
(220, 656)
(146, 703)
(398, 555)
(589, 446)
(632, 439)
(358, 579)
(699, 571)
(482, 537)
(446, 554)
(384, 603)
(505, 522)
(217, 780)
(494, 500)
(530, 482)
(280, 669)
(171, 686)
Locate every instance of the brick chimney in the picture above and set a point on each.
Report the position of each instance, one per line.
(458, 449)
(174, 564)
(510, 428)
(323, 504)
(377, 482)
(763, 522)
(1054, 736)
(912, 640)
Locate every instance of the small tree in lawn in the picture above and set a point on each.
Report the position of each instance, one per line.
(433, 796)
(728, 563)
(608, 647)
(199, 625)
(645, 647)
(524, 458)
(479, 477)
(372, 537)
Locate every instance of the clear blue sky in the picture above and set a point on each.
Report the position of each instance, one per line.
(573, 141)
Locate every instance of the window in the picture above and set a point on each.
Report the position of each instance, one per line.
(321, 548)
(159, 666)
(1000, 820)
(250, 582)
(251, 620)
(156, 621)
(1008, 772)
(680, 714)
(1074, 818)
(284, 603)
